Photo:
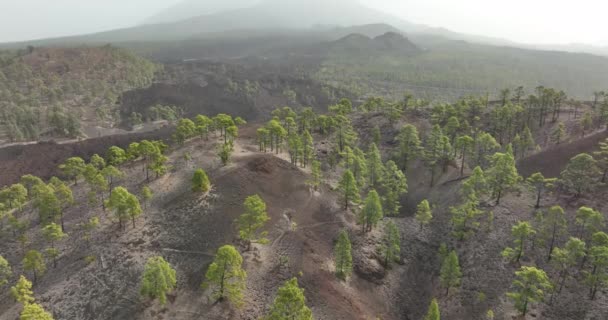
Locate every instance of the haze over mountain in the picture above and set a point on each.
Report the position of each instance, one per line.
(469, 20)
(192, 8)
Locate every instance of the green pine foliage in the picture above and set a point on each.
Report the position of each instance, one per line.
(530, 286)
(226, 276)
(433, 312)
(290, 303)
(158, 279)
(450, 274)
(424, 214)
(343, 255)
(200, 181)
(372, 211)
(252, 220)
(348, 188)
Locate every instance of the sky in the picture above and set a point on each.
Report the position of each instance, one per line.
(525, 21)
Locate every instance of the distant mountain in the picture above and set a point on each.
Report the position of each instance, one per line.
(192, 8)
(266, 15)
(357, 44)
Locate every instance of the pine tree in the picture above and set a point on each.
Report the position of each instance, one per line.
(64, 196)
(450, 274)
(602, 159)
(372, 211)
(116, 156)
(502, 175)
(559, 133)
(34, 262)
(539, 183)
(434, 150)
(73, 168)
(294, 144)
(520, 232)
(158, 279)
(53, 233)
(5, 271)
(586, 123)
(47, 203)
(34, 311)
(433, 312)
(423, 213)
(485, 146)
(375, 169)
(252, 220)
(349, 189)
(308, 148)
(598, 255)
(359, 165)
(316, 175)
(226, 275)
(343, 257)
(464, 217)
(200, 181)
(22, 291)
(394, 185)
(184, 130)
(391, 244)
(553, 224)
(289, 303)
(527, 141)
(409, 145)
(580, 173)
(476, 184)
(146, 194)
(465, 144)
(589, 221)
(564, 259)
(224, 152)
(124, 204)
(530, 285)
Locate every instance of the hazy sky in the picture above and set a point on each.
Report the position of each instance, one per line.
(530, 21)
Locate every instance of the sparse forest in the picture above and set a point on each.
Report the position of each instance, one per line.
(312, 175)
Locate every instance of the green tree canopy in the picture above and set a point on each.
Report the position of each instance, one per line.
(409, 145)
(343, 255)
(22, 291)
(502, 175)
(252, 220)
(158, 279)
(348, 188)
(53, 233)
(200, 181)
(580, 174)
(73, 168)
(34, 311)
(530, 285)
(5, 271)
(33, 261)
(290, 303)
(226, 275)
(450, 274)
(391, 244)
(372, 211)
(433, 312)
(394, 186)
(124, 204)
(539, 184)
(423, 213)
(520, 232)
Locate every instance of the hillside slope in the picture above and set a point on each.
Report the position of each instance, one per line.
(65, 92)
